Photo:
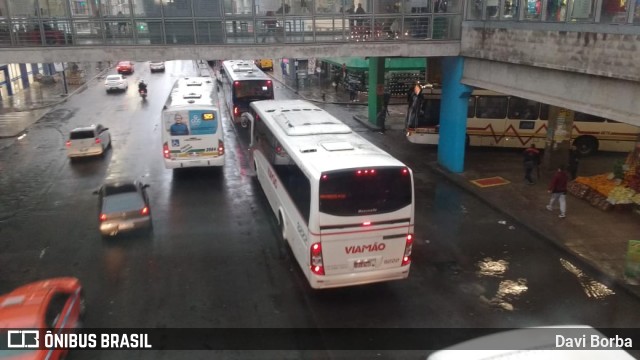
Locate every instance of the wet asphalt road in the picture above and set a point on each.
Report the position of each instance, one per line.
(215, 258)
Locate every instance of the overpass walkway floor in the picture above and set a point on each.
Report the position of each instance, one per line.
(595, 239)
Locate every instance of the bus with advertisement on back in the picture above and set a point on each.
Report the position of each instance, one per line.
(243, 82)
(495, 119)
(192, 132)
(344, 206)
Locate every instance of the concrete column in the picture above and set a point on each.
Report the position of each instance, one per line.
(453, 115)
(376, 89)
(558, 140)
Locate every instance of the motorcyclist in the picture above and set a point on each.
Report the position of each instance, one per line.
(142, 86)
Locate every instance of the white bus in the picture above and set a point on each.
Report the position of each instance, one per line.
(344, 206)
(495, 119)
(243, 82)
(192, 133)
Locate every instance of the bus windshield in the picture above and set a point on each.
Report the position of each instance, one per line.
(357, 192)
(253, 90)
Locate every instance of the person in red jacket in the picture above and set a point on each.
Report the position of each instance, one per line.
(558, 190)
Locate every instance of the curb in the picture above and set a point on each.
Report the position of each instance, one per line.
(592, 267)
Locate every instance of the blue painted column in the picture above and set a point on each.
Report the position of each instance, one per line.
(453, 115)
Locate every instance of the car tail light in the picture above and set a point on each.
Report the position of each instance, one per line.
(144, 211)
(316, 259)
(236, 111)
(165, 151)
(68, 144)
(98, 141)
(406, 259)
(220, 147)
(103, 217)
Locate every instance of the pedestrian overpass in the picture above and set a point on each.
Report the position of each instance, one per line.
(580, 56)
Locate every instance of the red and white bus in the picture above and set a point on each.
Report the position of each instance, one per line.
(344, 206)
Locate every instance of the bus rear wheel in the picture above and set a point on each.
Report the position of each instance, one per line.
(586, 145)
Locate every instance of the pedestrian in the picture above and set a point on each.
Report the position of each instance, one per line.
(530, 160)
(353, 93)
(336, 82)
(574, 160)
(122, 25)
(416, 101)
(270, 27)
(558, 191)
(360, 11)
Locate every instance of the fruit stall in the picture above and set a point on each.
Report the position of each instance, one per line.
(619, 189)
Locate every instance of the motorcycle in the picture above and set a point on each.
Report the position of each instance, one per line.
(143, 93)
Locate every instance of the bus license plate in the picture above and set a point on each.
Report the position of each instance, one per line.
(364, 263)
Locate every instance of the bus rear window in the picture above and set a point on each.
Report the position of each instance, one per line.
(253, 89)
(357, 192)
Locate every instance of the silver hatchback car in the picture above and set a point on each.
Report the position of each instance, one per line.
(88, 141)
(123, 207)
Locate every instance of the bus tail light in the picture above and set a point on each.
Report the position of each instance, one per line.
(220, 147)
(165, 151)
(406, 259)
(316, 259)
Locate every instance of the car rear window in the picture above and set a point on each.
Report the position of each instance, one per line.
(82, 134)
(122, 202)
(113, 77)
(119, 189)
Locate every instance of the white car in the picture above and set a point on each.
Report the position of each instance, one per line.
(156, 66)
(116, 82)
(88, 141)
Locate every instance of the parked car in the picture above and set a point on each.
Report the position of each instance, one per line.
(264, 64)
(90, 140)
(56, 303)
(156, 66)
(124, 67)
(123, 206)
(116, 82)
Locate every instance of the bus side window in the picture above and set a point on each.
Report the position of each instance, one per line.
(544, 112)
(582, 117)
(523, 109)
(492, 107)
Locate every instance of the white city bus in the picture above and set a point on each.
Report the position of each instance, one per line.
(192, 133)
(344, 206)
(243, 82)
(495, 119)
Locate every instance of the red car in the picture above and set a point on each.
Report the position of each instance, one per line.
(56, 303)
(125, 67)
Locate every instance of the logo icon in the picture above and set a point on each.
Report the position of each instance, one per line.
(22, 339)
(195, 120)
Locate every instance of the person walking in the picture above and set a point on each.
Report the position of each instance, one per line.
(414, 112)
(574, 160)
(558, 191)
(530, 160)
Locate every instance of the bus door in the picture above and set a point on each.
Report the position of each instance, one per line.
(365, 218)
(523, 127)
(488, 127)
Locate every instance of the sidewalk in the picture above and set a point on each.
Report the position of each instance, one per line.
(23, 109)
(595, 237)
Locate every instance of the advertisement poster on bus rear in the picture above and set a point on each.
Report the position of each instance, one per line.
(192, 122)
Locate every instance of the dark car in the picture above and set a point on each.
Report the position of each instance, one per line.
(123, 207)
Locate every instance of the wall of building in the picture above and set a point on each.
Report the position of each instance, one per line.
(604, 54)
